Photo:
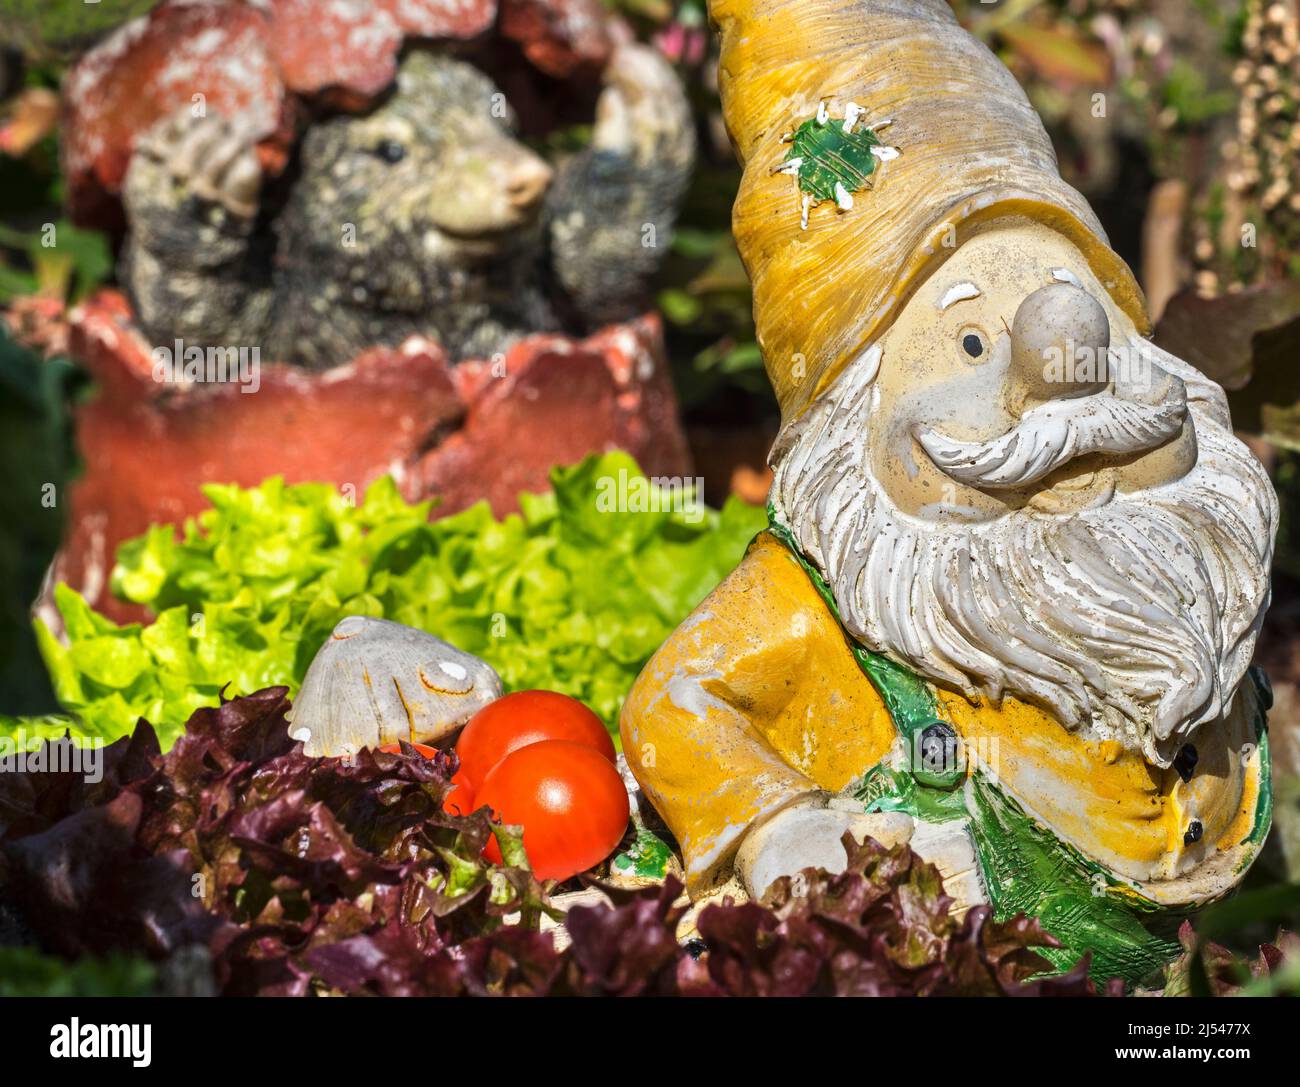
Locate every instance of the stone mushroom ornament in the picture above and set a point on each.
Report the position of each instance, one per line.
(377, 682)
(1017, 561)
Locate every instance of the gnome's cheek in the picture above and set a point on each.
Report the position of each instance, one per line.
(919, 488)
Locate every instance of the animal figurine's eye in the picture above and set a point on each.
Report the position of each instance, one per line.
(390, 151)
(974, 344)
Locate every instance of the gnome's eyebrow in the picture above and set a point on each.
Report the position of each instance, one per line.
(959, 292)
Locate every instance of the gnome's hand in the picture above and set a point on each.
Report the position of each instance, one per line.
(808, 835)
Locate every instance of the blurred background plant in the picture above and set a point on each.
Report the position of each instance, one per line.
(41, 253)
(26, 972)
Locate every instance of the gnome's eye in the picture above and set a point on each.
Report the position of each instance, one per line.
(390, 151)
(973, 344)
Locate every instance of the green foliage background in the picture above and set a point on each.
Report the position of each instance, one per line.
(37, 450)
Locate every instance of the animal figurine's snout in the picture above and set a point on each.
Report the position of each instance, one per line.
(528, 180)
(1059, 344)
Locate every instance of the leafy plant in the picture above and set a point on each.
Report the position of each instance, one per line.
(238, 843)
(569, 595)
(61, 260)
(58, 28)
(1207, 968)
(37, 449)
(24, 971)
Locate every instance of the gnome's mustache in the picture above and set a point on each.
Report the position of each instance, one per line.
(1128, 420)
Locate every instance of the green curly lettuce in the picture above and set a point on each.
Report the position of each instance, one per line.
(574, 593)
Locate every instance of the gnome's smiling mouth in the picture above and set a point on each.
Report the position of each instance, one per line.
(1051, 435)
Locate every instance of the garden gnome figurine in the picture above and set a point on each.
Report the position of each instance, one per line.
(1017, 561)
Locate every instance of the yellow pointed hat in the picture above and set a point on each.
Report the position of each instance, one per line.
(971, 150)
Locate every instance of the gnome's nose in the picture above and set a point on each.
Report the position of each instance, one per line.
(1059, 343)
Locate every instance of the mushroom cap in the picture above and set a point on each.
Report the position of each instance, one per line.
(377, 682)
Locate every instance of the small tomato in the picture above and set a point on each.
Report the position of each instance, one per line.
(523, 718)
(569, 799)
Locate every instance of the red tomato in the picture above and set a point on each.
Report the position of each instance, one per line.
(460, 797)
(569, 799)
(523, 718)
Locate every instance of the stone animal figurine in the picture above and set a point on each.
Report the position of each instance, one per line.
(376, 682)
(426, 216)
(1017, 560)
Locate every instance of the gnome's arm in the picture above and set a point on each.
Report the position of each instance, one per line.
(754, 707)
(611, 210)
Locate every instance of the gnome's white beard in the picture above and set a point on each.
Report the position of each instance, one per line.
(1134, 621)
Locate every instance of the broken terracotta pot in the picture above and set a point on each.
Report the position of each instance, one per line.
(478, 430)
(152, 67)
(560, 37)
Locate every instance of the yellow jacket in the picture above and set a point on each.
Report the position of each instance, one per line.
(757, 700)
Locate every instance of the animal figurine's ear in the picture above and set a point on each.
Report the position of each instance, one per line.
(375, 682)
(909, 135)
